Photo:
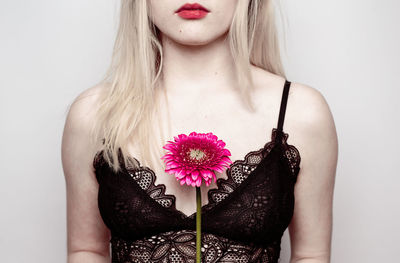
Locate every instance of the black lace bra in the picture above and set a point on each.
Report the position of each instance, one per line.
(243, 221)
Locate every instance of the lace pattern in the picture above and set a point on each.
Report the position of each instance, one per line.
(145, 178)
(180, 246)
(236, 174)
(256, 200)
(291, 153)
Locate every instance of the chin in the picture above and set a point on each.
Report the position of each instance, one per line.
(193, 42)
(195, 39)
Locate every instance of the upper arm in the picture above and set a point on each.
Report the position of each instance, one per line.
(311, 227)
(85, 228)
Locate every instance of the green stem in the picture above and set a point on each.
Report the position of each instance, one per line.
(198, 225)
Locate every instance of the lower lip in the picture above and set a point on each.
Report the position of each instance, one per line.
(192, 14)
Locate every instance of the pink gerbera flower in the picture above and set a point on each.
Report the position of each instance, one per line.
(195, 157)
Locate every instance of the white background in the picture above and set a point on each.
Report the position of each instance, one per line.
(50, 51)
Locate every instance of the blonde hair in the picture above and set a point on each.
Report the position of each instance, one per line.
(128, 104)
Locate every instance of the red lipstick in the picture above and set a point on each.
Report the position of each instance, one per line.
(192, 11)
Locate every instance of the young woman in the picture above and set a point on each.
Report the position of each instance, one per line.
(210, 66)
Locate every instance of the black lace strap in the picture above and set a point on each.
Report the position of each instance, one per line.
(282, 110)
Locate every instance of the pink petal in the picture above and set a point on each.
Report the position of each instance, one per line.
(212, 136)
(170, 171)
(182, 172)
(170, 161)
(226, 152)
(210, 174)
(205, 174)
(188, 180)
(171, 165)
(169, 146)
(167, 157)
(180, 176)
(195, 175)
(218, 169)
(226, 159)
(198, 181)
(175, 171)
(221, 143)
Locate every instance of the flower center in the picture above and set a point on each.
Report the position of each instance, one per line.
(196, 154)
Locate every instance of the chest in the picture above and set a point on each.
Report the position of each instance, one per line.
(241, 130)
(256, 200)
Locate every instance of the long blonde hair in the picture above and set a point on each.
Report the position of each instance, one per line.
(127, 106)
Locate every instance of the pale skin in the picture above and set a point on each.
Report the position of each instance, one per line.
(187, 48)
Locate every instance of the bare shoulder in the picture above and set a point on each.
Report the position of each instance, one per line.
(308, 118)
(307, 110)
(311, 106)
(313, 123)
(86, 230)
(81, 113)
(78, 148)
(300, 95)
(86, 101)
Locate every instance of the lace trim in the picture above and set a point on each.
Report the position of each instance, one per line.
(145, 178)
(180, 246)
(237, 173)
(291, 154)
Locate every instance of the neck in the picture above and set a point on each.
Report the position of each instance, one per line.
(197, 69)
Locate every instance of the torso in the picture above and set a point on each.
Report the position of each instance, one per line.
(242, 131)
